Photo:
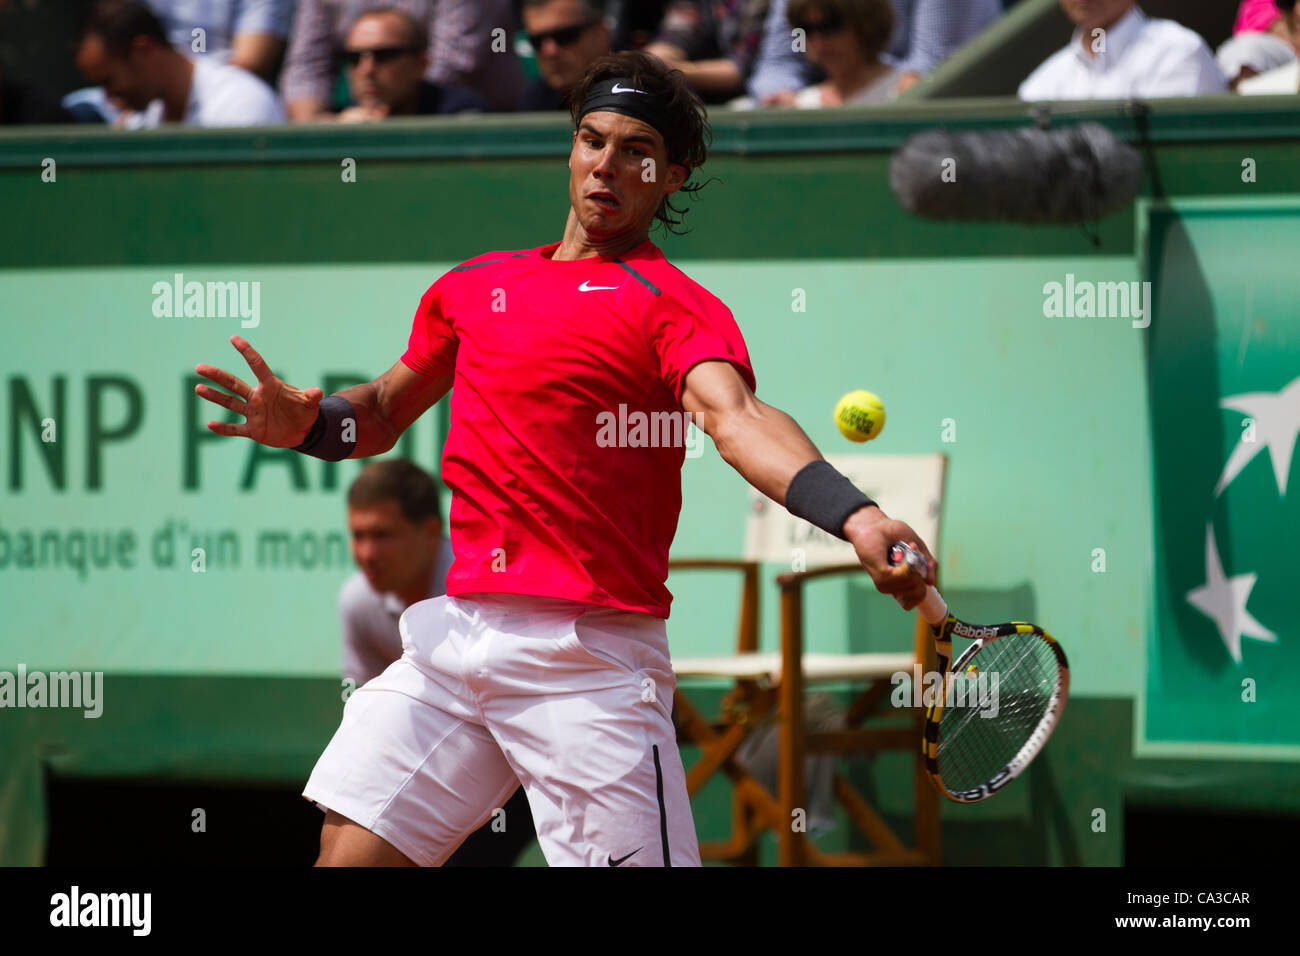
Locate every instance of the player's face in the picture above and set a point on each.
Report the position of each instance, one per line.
(618, 174)
(123, 82)
(391, 551)
(1095, 13)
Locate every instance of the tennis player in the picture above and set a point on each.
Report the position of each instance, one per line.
(547, 660)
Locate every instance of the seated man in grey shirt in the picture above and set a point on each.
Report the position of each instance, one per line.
(395, 523)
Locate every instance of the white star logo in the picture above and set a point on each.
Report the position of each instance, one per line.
(1277, 424)
(1223, 600)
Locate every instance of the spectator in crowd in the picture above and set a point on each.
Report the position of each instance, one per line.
(246, 33)
(471, 44)
(713, 42)
(1256, 16)
(1117, 52)
(567, 36)
(930, 31)
(1249, 54)
(845, 38)
(1283, 78)
(386, 53)
(1287, 25)
(780, 70)
(396, 528)
(403, 555)
(124, 50)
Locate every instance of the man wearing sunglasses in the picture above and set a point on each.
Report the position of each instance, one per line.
(386, 57)
(567, 36)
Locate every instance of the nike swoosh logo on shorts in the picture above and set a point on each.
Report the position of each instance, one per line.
(621, 860)
(592, 288)
(624, 89)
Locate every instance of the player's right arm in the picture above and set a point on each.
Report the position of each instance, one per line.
(279, 415)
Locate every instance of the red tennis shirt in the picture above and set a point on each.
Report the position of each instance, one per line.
(567, 432)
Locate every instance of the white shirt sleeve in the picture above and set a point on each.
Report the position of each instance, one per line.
(1191, 72)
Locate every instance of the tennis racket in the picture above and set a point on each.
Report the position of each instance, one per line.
(1017, 680)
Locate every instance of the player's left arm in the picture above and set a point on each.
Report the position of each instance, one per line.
(769, 448)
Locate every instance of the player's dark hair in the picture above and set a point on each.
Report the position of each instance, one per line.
(400, 480)
(687, 134)
(118, 22)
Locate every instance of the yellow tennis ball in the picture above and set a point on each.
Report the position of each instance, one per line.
(860, 415)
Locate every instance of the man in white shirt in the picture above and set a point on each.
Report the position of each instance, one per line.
(124, 49)
(1116, 52)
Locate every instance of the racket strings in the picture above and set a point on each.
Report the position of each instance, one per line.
(979, 739)
(989, 667)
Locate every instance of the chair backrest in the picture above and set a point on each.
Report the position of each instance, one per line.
(907, 487)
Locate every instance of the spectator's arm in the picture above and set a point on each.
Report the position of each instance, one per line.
(907, 81)
(259, 35)
(258, 53)
(778, 70)
(940, 27)
(707, 76)
(670, 53)
(308, 66)
(713, 76)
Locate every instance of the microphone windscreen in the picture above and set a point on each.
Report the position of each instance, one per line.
(1030, 175)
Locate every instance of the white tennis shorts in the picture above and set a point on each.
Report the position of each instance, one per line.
(569, 700)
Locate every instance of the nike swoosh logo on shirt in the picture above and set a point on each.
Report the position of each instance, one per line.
(621, 860)
(592, 288)
(624, 89)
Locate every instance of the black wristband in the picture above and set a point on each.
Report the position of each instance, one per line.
(333, 435)
(822, 496)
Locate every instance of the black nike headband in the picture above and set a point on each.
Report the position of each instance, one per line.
(620, 95)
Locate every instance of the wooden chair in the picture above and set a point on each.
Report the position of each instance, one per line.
(766, 688)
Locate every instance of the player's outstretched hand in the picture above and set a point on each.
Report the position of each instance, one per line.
(872, 532)
(275, 413)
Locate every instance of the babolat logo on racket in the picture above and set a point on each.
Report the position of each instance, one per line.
(973, 631)
(986, 790)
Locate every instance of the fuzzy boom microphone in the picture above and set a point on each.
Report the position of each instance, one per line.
(1074, 174)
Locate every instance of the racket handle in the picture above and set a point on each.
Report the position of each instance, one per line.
(933, 607)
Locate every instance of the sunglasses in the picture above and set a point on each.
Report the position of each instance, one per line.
(564, 36)
(826, 27)
(383, 54)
